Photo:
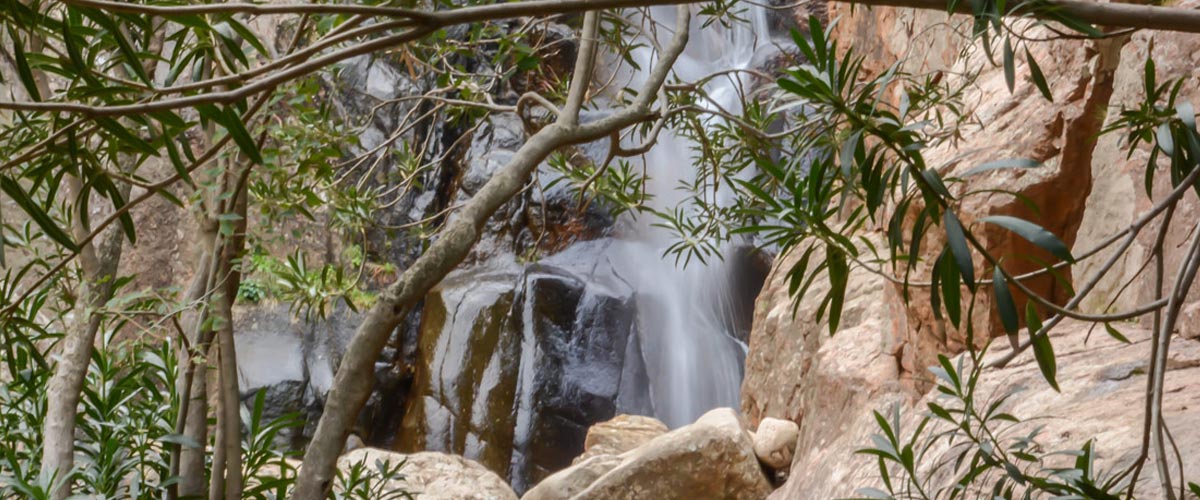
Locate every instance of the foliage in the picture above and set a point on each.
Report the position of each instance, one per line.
(126, 428)
(197, 109)
(966, 446)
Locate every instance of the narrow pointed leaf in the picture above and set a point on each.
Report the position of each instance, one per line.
(1114, 333)
(1033, 233)
(1010, 73)
(1039, 79)
(35, 212)
(1003, 164)
(958, 246)
(1043, 352)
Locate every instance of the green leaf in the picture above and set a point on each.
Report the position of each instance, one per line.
(950, 290)
(1003, 164)
(248, 36)
(1010, 74)
(1004, 302)
(182, 440)
(1112, 332)
(125, 137)
(22, 63)
(873, 493)
(1039, 79)
(36, 213)
(839, 273)
(958, 246)
(232, 123)
(1165, 140)
(847, 154)
(1033, 233)
(1186, 114)
(132, 59)
(1042, 350)
(935, 181)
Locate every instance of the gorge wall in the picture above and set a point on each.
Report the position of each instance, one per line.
(1088, 191)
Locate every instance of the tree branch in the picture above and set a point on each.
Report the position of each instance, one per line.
(352, 384)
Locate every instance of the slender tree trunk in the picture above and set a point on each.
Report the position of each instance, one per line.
(99, 264)
(352, 384)
(187, 463)
(229, 417)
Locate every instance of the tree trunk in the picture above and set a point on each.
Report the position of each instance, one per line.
(352, 384)
(99, 264)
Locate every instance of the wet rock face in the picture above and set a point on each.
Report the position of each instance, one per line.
(545, 219)
(514, 365)
(292, 362)
(462, 395)
(571, 377)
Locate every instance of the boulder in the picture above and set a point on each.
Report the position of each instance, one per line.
(1103, 386)
(571, 481)
(514, 364)
(712, 458)
(619, 435)
(775, 442)
(291, 361)
(433, 476)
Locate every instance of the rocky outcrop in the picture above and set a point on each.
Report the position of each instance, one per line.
(431, 475)
(1001, 125)
(1087, 191)
(1103, 386)
(513, 365)
(291, 362)
(797, 371)
(712, 458)
(619, 435)
(1118, 193)
(775, 442)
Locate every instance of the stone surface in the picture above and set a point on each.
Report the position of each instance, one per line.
(516, 363)
(571, 481)
(619, 435)
(1102, 395)
(291, 361)
(1087, 191)
(712, 458)
(775, 442)
(435, 476)
(797, 371)
(1118, 193)
(1001, 125)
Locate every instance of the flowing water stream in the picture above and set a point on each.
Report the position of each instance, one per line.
(515, 360)
(685, 313)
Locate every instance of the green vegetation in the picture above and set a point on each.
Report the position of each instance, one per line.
(113, 106)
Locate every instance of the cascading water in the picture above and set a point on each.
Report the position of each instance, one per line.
(515, 360)
(693, 361)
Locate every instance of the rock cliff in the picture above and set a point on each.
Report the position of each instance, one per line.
(1087, 191)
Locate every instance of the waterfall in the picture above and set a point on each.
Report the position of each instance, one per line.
(513, 361)
(693, 361)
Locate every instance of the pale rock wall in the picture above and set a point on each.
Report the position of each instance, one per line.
(1087, 191)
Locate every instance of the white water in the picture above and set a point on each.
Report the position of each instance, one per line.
(693, 361)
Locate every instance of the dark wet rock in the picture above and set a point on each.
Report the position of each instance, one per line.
(514, 365)
(464, 386)
(292, 361)
(748, 270)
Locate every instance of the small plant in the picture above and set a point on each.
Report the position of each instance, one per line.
(968, 447)
(360, 482)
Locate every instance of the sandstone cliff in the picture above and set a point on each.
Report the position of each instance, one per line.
(1088, 191)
